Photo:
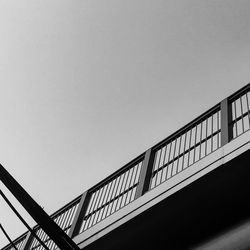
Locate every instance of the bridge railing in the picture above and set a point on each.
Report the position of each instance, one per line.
(112, 194)
(187, 146)
(205, 134)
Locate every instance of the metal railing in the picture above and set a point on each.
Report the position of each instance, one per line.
(189, 145)
(211, 130)
(112, 194)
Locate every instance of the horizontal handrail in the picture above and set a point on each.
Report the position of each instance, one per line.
(186, 127)
(186, 151)
(118, 172)
(239, 93)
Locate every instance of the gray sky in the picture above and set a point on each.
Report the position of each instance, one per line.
(86, 86)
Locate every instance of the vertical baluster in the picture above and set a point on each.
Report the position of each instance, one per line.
(107, 202)
(129, 185)
(169, 155)
(184, 149)
(108, 211)
(120, 191)
(159, 166)
(200, 140)
(163, 162)
(177, 165)
(195, 135)
(134, 182)
(104, 201)
(242, 117)
(125, 188)
(248, 110)
(172, 166)
(212, 132)
(189, 146)
(206, 137)
(97, 205)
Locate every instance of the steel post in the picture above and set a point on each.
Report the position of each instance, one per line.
(146, 172)
(226, 120)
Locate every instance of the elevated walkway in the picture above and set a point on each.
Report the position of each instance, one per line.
(190, 191)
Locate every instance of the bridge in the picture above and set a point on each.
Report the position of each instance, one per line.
(189, 191)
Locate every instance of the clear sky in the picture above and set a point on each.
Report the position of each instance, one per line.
(86, 86)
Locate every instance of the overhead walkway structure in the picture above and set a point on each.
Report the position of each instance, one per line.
(189, 191)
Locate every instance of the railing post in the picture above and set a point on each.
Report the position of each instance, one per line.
(81, 210)
(28, 241)
(226, 121)
(146, 172)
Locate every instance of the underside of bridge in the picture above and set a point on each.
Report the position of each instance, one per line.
(198, 214)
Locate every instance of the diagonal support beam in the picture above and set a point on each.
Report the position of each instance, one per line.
(62, 240)
(21, 219)
(8, 237)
